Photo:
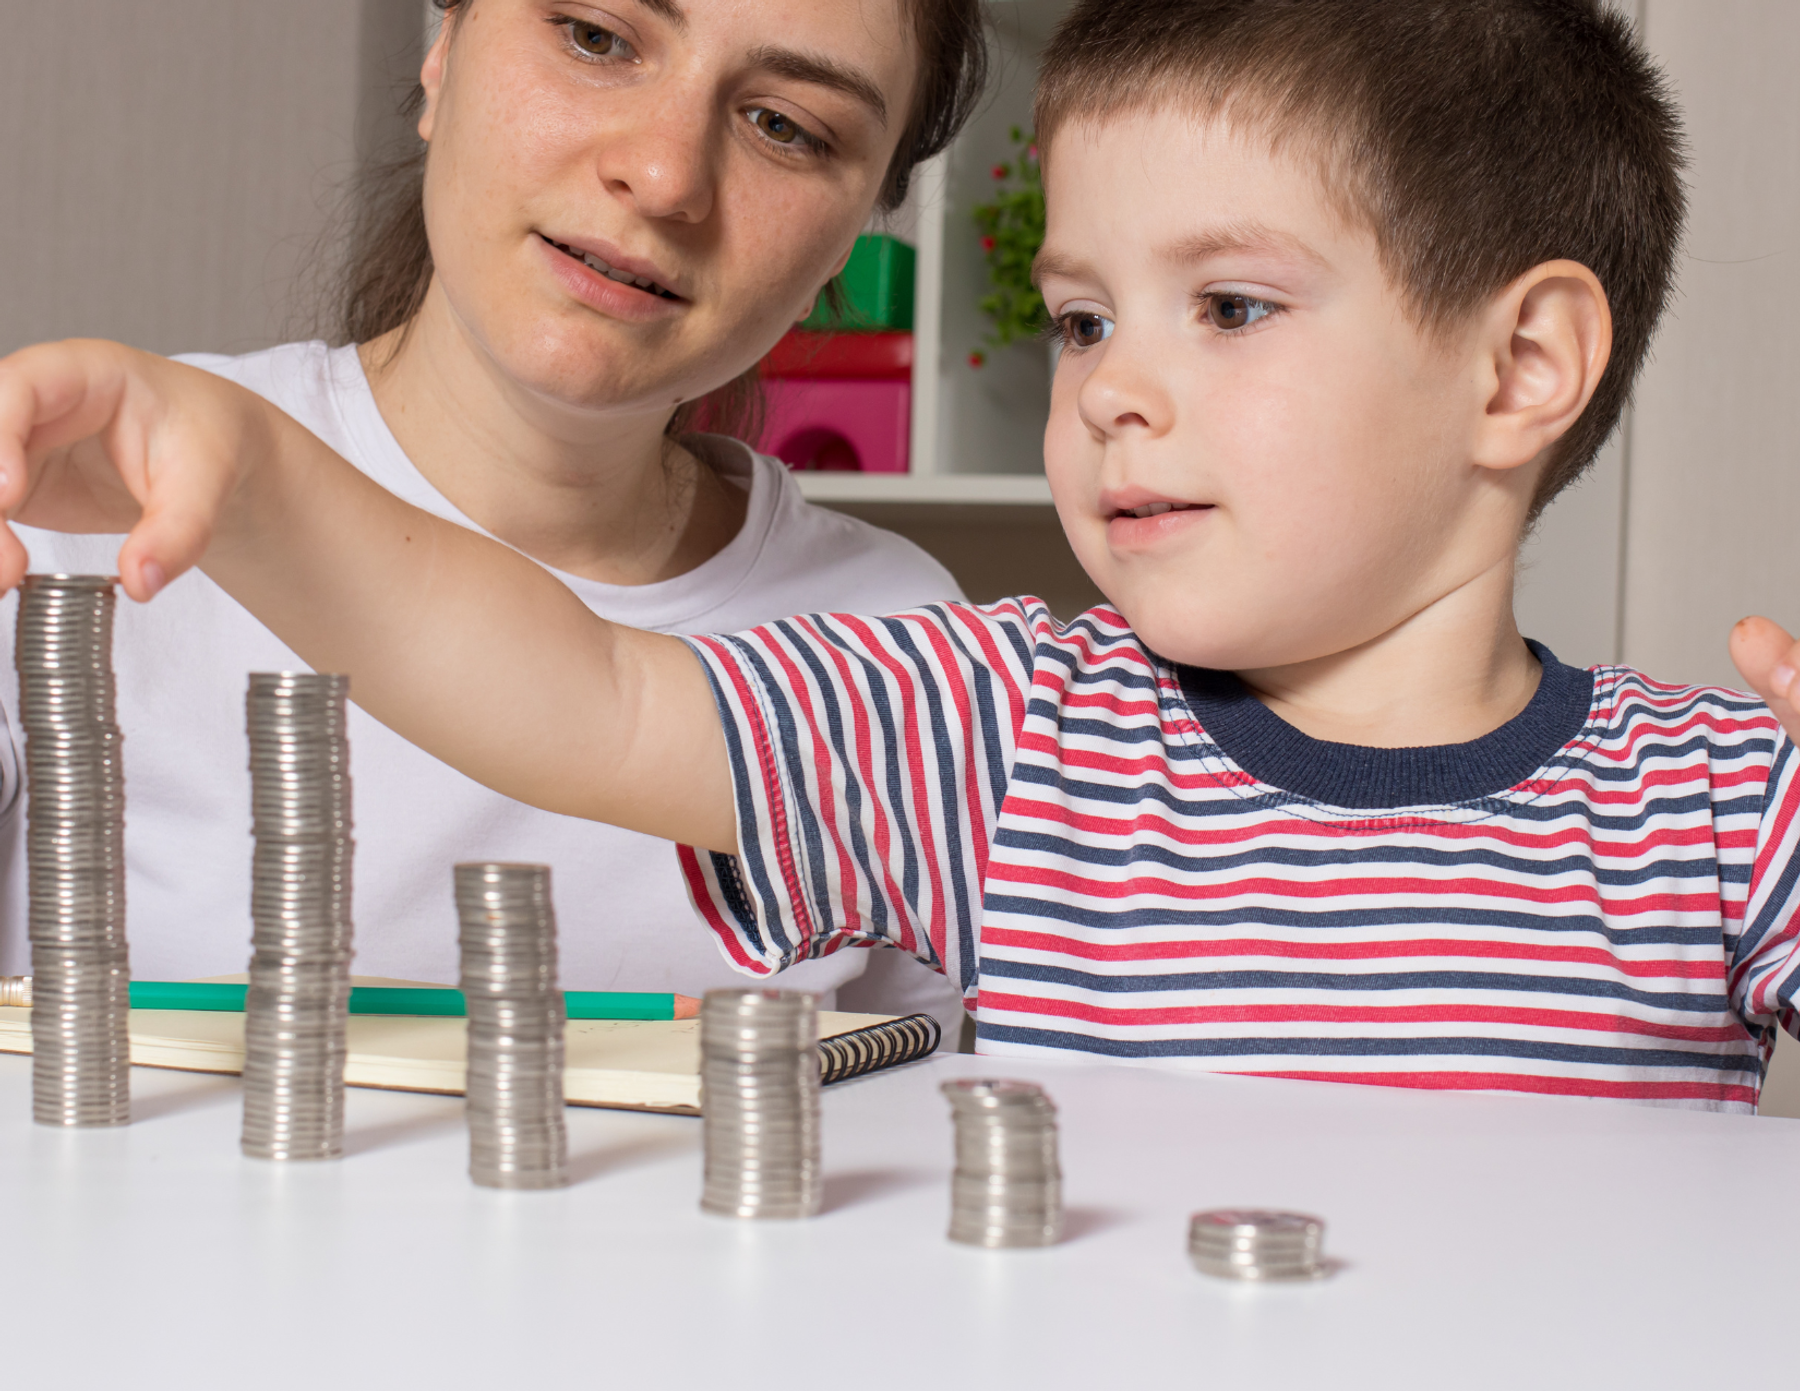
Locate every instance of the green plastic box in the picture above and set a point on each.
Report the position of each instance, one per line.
(877, 285)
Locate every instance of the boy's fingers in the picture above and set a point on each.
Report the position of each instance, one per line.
(1769, 659)
(170, 537)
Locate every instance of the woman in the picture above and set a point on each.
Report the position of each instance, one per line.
(621, 210)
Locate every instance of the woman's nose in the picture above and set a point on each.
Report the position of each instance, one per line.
(663, 167)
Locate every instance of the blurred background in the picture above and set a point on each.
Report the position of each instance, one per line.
(176, 176)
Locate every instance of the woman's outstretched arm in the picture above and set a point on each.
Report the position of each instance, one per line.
(458, 644)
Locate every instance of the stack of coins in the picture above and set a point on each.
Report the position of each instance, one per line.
(75, 839)
(1248, 1244)
(1007, 1188)
(759, 1096)
(297, 1008)
(515, 1086)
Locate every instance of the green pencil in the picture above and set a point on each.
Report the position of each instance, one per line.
(384, 999)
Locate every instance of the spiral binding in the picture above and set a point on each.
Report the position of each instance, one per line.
(878, 1046)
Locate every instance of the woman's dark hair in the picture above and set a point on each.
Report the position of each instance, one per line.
(388, 266)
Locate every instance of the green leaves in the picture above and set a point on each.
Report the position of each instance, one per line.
(1012, 230)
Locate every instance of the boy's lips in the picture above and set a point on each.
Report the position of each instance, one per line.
(610, 281)
(1136, 519)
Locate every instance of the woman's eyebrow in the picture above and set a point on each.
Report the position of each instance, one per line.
(822, 72)
(668, 9)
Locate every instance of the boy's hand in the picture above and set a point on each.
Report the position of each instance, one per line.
(473, 652)
(1770, 661)
(98, 437)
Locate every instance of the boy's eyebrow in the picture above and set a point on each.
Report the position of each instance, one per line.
(1215, 241)
(822, 72)
(1239, 236)
(1048, 262)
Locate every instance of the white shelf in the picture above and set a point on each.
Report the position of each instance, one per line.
(942, 487)
(976, 434)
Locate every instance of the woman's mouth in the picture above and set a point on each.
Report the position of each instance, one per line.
(622, 277)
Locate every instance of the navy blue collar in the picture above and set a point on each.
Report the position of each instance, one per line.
(1347, 775)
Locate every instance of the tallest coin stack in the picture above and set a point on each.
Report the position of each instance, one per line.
(75, 839)
(296, 1011)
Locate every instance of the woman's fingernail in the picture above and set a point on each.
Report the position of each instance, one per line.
(1783, 677)
(152, 575)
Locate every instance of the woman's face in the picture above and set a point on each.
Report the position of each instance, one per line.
(728, 151)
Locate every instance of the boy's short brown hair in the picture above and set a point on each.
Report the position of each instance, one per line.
(1477, 138)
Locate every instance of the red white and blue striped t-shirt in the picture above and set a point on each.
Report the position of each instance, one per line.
(1119, 857)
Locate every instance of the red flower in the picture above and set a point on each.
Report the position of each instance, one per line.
(976, 358)
(987, 243)
(1031, 151)
(1000, 171)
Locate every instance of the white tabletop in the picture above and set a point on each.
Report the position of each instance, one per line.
(1488, 1242)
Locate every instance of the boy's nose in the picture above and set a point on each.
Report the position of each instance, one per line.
(1123, 394)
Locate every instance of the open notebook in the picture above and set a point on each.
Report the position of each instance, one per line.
(633, 1064)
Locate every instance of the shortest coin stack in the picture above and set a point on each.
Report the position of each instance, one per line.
(1248, 1244)
(759, 1095)
(517, 1138)
(1007, 1189)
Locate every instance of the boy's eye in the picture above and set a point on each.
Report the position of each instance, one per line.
(593, 41)
(1084, 330)
(782, 129)
(1226, 312)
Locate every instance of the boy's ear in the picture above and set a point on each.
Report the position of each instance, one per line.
(431, 73)
(1546, 341)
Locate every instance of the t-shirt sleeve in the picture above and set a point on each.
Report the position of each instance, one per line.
(1765, 963)
(869, 759)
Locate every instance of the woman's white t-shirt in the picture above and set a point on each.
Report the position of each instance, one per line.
(624, 917)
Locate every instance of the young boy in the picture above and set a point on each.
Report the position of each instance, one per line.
(1348, 291)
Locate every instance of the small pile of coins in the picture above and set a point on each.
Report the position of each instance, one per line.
(517, 1137)
(1250, 1244)
(1007, 1188)
(296, 1010)
(75, 846)
(759, 1096)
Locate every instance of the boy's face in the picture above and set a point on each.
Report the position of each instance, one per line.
(1236, 349)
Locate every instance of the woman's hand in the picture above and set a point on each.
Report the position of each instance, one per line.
(98, 437)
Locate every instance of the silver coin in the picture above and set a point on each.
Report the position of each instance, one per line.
(74, 850)
(296, 1010)
(759, 1099)
(1257, 1244)
(517, 1136)
(1006, 1190)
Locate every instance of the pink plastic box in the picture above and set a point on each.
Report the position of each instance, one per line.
(842, 425)
(840, 401)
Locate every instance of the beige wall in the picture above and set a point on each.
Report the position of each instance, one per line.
(167, 168)
(1714, 500)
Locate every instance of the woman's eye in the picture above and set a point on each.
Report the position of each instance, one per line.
(1226, 312)
(592, 41)
(1084, 330)
(781, 129)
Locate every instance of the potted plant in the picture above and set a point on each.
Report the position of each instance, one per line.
(1012, 230)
